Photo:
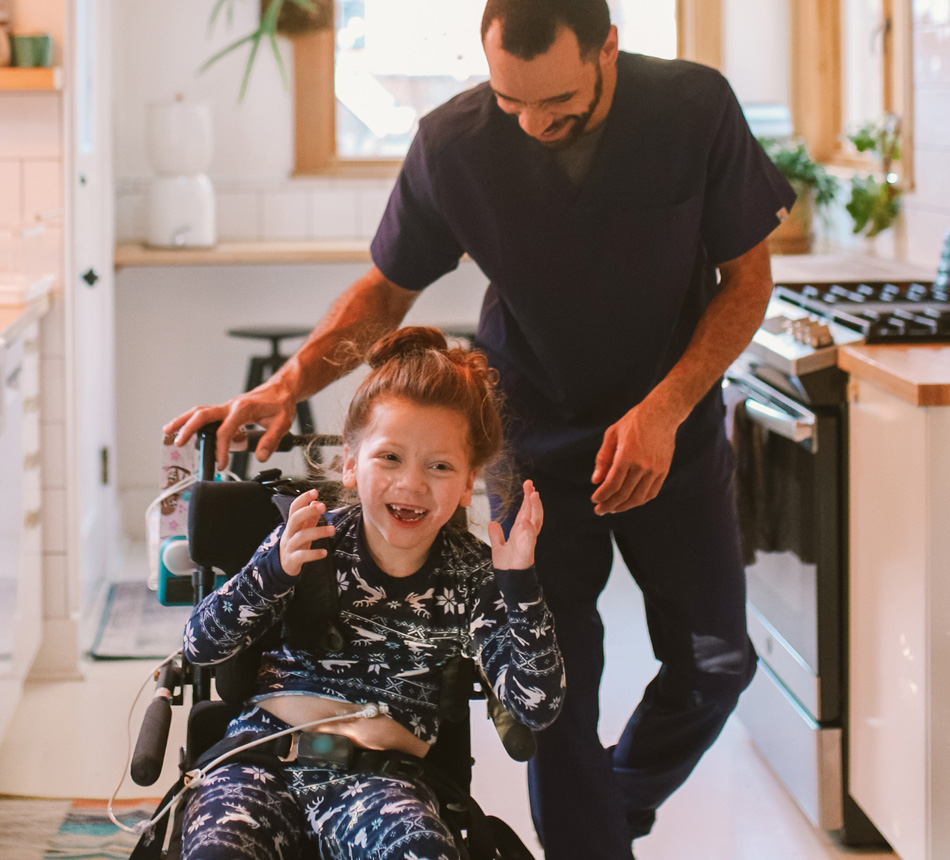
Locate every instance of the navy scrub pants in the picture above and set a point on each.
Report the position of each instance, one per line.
(682, 548)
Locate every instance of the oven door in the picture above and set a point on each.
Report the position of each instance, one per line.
(788, 480)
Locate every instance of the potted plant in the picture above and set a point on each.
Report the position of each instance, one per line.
(278, 17)
(874, 205)
(815, 190)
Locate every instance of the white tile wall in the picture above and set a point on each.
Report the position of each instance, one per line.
(11, 195)
(298, 209)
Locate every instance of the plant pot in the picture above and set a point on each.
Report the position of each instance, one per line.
(794, 235)
(293, 20)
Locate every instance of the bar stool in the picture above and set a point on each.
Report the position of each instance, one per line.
(264, 366)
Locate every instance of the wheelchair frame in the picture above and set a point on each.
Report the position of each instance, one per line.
(485, 837)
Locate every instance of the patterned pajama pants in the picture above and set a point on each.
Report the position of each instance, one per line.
(244, 812)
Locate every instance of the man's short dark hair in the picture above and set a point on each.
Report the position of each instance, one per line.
(529, 27)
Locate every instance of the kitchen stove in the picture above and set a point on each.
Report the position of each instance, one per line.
(787, 415)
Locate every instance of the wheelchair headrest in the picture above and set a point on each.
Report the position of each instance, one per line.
(227, 520)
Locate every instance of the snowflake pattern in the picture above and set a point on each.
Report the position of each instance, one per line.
(398, 634)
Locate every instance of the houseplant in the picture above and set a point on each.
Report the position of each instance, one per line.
(874, 205)
(814, 188)
(284, 17)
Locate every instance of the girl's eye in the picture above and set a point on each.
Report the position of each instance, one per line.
(442, 467)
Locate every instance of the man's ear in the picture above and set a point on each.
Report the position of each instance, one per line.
(349, 468)
(608, 53)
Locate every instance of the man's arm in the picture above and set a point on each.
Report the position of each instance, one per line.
(371, 307)
(635, 457)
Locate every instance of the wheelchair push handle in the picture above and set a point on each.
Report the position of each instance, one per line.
(149, 754)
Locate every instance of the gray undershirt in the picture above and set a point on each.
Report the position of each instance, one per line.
(577, 159)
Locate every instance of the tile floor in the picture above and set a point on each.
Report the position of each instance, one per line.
(732, 808)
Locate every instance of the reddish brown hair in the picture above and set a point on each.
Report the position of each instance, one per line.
(417, 363)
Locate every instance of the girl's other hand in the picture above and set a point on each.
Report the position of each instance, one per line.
(303, 528)
(517, 553)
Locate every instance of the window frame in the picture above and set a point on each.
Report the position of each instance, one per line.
(699, 37)
(816, 81)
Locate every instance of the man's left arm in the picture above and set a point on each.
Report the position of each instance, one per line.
(637, 450)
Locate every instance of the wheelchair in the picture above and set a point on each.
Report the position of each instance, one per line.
(227, 521)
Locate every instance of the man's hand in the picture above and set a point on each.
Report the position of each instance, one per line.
(517, 553)
(634, 459)
(303, 528)
(637, 451)
(268, 405)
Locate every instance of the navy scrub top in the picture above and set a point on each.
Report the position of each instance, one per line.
(594, 290)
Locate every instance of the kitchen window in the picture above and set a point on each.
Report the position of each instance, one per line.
(851, 64)
(361, 88)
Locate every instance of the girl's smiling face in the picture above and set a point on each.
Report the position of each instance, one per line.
(412, 469)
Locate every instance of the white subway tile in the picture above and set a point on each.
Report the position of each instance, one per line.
(335, 213)
(30, 126)
(11, 193)
(42, 187)
(372, 204)
(131, 216)
(284, 215)
(238, 215)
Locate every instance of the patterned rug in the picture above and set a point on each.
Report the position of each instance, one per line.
(68, 830)
(135, 625)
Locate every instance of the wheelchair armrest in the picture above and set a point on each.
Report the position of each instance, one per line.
(149, 754)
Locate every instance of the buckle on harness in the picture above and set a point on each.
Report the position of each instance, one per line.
(323, 748)
(292, 752)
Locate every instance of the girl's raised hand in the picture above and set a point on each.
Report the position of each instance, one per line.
(303, 528)
(517, 553)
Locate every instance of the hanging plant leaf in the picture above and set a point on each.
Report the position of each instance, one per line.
(287, 17)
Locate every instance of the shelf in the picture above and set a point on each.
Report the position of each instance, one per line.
(44, 79)
(244, 253)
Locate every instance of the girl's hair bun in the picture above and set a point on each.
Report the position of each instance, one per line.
(404, 342)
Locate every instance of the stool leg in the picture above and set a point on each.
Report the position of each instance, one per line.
(255, 376)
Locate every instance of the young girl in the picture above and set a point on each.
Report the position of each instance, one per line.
(414, 591)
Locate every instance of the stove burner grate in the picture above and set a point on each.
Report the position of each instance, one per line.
(881, 312)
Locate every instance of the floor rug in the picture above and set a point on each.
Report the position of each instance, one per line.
(135, 625)
(68, 830)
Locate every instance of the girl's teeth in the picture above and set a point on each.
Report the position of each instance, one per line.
(406, 513)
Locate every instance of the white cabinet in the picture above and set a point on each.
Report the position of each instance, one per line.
(21, 612)
(900, 619)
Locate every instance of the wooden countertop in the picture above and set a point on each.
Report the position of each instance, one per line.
(919, 374)
(245, 253)
(786, 269)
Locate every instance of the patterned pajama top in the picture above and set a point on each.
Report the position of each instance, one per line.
(399, 632)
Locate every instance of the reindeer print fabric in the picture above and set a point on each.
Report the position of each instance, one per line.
(253, 813)
(399, 632)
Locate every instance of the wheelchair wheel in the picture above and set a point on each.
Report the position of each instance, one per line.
(507, 843)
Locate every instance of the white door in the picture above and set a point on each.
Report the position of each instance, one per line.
(90, 303)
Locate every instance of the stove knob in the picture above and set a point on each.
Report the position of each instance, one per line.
(820, 335)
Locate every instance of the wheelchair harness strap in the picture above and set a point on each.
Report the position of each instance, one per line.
(320, 749)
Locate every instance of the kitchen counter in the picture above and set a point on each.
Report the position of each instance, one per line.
(843, 268)
(918, 374)
(14, 319)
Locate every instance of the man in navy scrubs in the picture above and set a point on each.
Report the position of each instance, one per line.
(601, 193)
